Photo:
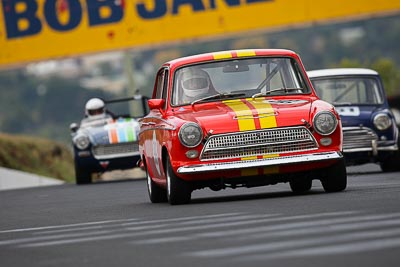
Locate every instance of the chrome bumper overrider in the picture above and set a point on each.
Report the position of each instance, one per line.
(260, 162)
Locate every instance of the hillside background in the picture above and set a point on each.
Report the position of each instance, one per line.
(43, 98)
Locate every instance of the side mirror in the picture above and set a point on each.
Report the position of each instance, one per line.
(73, 127)
(156, 103)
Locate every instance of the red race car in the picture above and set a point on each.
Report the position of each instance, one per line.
(238, 119)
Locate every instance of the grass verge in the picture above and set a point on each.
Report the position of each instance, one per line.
(35, 155)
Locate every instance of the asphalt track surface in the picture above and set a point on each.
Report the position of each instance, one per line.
(114, 224)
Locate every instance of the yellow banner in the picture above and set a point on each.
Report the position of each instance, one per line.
(32, 30)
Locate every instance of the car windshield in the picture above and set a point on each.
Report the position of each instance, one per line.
(124, 108)
(348, 90)
(237, 78)
(127, 108)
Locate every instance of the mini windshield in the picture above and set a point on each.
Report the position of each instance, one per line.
(348, 90)
(133, 108)
(250, 77)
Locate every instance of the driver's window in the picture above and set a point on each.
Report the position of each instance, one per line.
(162, 84)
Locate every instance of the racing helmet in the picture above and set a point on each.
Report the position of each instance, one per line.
(95, 106)
(195, 82)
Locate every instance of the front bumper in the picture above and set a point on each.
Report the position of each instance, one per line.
(106, 163)
(364, 139)
(375, 147)
(306, 158)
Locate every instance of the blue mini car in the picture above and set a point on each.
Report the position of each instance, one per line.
(107, 138)
(370, 133)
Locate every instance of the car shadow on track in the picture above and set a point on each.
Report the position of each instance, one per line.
(369, 168)
(120, 180)
(253, 196)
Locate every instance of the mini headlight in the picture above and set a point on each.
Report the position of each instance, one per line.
(82, 141)
(382, 121)
(190, 134)
(325, 122)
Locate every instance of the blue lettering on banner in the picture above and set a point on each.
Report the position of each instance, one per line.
(94, 11)
(11, 17)
(160, 9)
(197, 5)
(228, 2)
(50, 13)
(33, 23)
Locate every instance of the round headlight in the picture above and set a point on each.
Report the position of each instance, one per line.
(82, 141)
(382, 121)
(190, 134)
(325, 122)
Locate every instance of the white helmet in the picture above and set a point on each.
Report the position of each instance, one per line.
(195, 82)
(94, 106)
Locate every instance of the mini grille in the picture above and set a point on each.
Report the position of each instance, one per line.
(258, 143)
(113, 149)
(358, 138)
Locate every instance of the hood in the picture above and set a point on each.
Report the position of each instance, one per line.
(357, 115)
(247, 114)
(113, 132)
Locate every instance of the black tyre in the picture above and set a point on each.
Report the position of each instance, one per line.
(178, 190)
(82, 176)
(156, 193)
(391, 164)
(335, 177)
(301, 185)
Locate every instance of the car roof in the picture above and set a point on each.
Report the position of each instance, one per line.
(340, 72)
(229, 54)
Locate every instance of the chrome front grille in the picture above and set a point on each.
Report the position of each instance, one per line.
(115, 150)
(358, 139)
(258, 143)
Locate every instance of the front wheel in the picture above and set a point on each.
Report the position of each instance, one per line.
(335, 177)
(156, 193)
(82, 176)
(300, 186)
(391, 164)
(178, 190)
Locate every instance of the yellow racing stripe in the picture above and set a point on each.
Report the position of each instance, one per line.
(249, 172)
(246, 53)
(222, 55)
(246, 122)
(264, 171)
(231, 54)
(244, 116)
(266, 113)
(243, 113)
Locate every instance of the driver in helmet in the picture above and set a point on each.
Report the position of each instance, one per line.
(196, 84)
(95, 112)
(95, 107)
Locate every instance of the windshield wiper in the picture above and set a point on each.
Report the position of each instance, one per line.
(217, 96)
(286, 90)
